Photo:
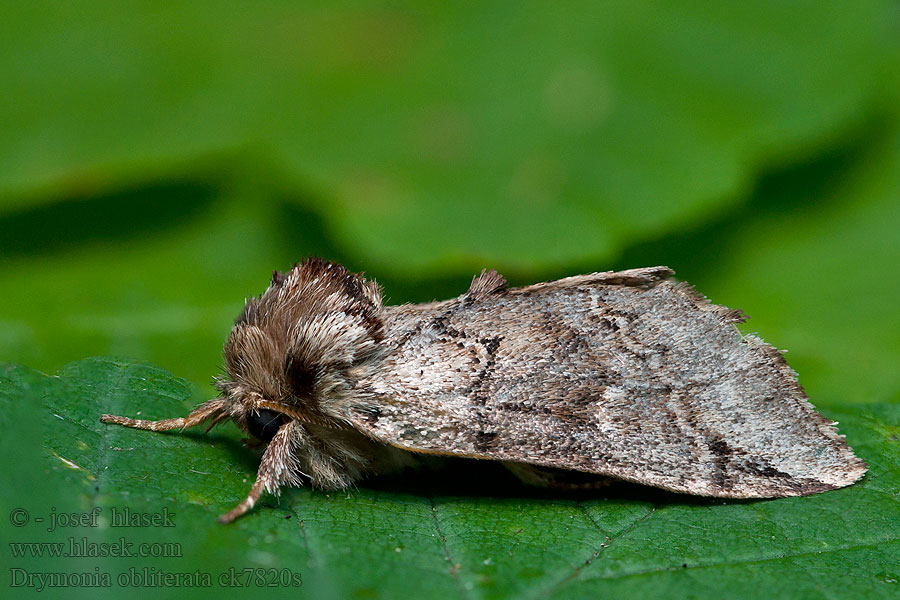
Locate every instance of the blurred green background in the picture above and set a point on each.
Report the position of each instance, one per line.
(157, 162)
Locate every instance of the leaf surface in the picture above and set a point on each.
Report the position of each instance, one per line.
(460, 534)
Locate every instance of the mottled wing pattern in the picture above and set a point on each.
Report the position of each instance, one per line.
(625, 374)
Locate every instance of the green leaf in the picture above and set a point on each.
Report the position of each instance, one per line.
(466, 533)
(458, 133)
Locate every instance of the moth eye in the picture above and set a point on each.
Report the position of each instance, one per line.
(264, 424)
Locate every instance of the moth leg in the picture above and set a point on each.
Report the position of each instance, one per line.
(253, 444)
(279, 466)
(215, 410)
(563, 479)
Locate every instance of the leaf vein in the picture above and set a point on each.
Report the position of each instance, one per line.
(872, 544)
(452, 569)
(594, 555)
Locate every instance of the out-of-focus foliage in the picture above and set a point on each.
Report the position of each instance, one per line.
(511, 132)
(158, 161)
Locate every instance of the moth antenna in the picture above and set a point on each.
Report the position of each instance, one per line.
(215, 409)
(215, 421)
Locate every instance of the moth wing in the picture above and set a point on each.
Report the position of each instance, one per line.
(624, 374)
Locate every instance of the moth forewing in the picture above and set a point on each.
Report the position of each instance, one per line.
(619, 374)
(624, 374)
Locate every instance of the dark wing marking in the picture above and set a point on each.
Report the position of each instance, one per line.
(624, 374)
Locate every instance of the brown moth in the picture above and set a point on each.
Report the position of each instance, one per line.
(623, 374)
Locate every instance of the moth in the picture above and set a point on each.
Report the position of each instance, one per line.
(629, 375)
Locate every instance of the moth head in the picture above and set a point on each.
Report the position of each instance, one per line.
(297, 351)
